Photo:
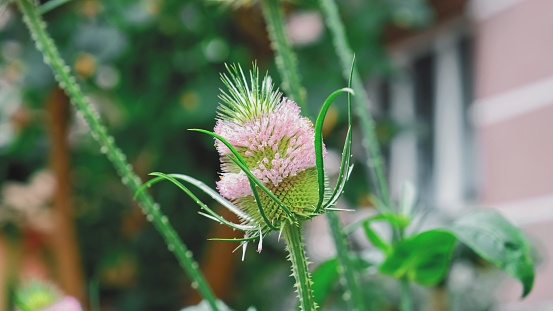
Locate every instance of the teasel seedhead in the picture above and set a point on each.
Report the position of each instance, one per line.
(276, 144)
(272, 171)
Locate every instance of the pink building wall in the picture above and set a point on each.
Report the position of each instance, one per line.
(514, 113)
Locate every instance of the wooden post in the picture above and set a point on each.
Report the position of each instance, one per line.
(219, 262)
(68, 270)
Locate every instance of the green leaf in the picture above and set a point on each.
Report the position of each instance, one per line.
(210, 213)
(398, 221)
(324, 277)
(213, 194)
(50, 5)
(345, 166)
(408, 199)
(375, 239)
(319, 143)
(498, 241)
(423, 258)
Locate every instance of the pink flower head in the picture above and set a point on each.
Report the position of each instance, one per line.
(275, 141)
(277, 144)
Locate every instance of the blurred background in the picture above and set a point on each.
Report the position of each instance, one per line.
(462, 92)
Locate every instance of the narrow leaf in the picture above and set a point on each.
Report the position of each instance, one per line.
(393, 219)
(50, 5)
(408, 199)
(345, 167)
(213, 194)
(319, 143)
(202, 205)
(375, 239)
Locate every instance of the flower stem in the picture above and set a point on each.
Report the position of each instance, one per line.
(370, 141)
(406, 300)
(50, 5)
(353, 294)
(406, 303)
(67, 82)
(296, 255)
(288, 69)
(284, 56)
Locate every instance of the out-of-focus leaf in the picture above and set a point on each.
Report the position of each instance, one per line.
(423, 258)
(324, 277)
(375, 239)
(395, 220)
(498, 241)
(408, 199)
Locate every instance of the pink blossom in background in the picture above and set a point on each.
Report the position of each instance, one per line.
(66, 304)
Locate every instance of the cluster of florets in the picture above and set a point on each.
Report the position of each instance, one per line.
(276, 145)
(274, 140)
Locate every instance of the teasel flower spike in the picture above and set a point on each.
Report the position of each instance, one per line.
(271, 159)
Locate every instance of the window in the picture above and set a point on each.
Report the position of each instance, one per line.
(428, 100)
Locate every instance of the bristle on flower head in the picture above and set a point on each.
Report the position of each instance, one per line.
(275, 141)
(245, 100)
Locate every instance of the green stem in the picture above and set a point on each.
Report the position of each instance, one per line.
(288, 69)
(362, 103)
(50, 5)
(406, 303)
(406, 300)
(370, 141)
(67, 81)
(284, 56)
(296, 255)
(353, 294)
(94, 293)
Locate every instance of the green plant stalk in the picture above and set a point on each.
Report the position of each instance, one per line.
(353, 294)
(94, 293)
(285, 58)
(406, 302)
(67, 81)
(300, 271)
(50, 5)
(370, 141)
(288, 69)
(362, 103)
